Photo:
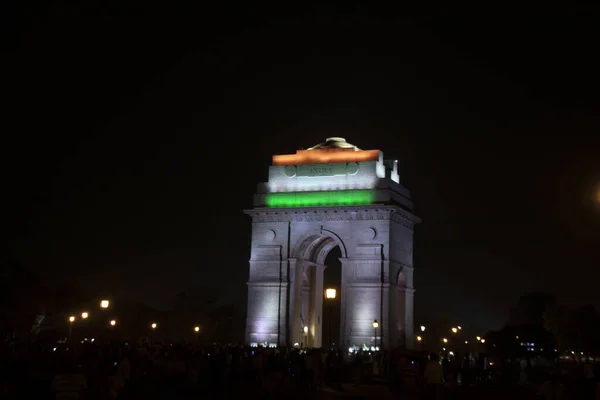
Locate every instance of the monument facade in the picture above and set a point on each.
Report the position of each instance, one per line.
(333, 194)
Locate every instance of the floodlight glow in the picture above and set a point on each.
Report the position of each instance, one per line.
(319, 156)
(324, 198)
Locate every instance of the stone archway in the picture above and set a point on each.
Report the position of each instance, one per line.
(288, 252)
(332, 194)
(307, 286)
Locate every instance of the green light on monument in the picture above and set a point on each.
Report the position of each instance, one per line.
(325, 198)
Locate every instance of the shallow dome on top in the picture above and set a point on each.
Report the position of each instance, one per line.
(335, 143)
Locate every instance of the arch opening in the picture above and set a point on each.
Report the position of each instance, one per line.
(318, 319)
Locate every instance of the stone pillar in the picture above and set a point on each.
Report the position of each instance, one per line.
(405, 310)
(295, 301)
(315, 326)
(409, 318)
(306, 338)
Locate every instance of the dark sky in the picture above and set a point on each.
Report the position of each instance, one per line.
(134, 136)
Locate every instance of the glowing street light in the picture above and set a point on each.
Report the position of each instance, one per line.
(113, 322)
(478, 338)
(196, 329)
(422, 328)
(72, 318)
(330, 295)
(104, 303)
(459, 327)
(466, 342)
(84, 315)
(454, 330)
(482, 340)
(153, 326)
(444, 340)
(419, 338)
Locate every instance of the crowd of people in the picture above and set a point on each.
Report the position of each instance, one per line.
(152, 370)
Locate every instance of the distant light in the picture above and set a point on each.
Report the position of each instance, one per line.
(72, 318)
(482, 340)
(196, 329)
(305, 329)
(459, 327)
(153, 326)
(84, 315)
(444, 340)
(419, 338)
(466, 342)
(113, 322)
(422, 328)
(104, 303)
(330, 293)
(454, 330)
(478, 338)
(375, 324)
(517, 337)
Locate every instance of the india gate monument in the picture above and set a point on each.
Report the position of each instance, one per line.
(333, 194)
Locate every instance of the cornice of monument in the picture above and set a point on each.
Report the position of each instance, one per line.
(369, 212)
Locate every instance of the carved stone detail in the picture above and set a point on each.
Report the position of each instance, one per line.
(364, 213)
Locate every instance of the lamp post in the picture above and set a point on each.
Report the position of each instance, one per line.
(305, 330)
(85, 315)
(104, 304)
(330, 295)
(375, 326)
(197, 331)
(71, 321)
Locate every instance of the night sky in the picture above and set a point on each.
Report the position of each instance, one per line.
(134, 137)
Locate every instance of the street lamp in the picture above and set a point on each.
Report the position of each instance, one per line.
(478, 338)
(444, 340)
(482, 340)
(419, 338)
(153, 326)
(71, 320)
(84, 315)
(113, 322)
(375, 326)
(104, 303)
(422, 328)
(454, 330)
(330, 295)
(305, 330)
(197, 330)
